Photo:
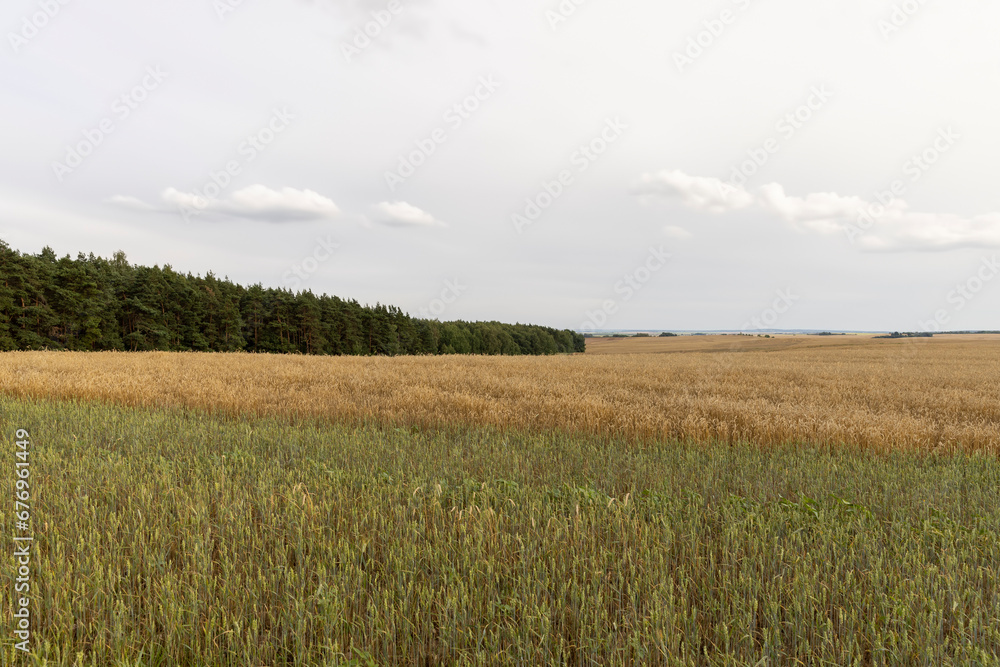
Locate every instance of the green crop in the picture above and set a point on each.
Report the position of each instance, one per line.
(172, 537)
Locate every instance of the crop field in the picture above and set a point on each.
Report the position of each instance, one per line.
(929, 394)
(692, 501)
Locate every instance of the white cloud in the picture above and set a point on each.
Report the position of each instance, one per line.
(289, 203)
(256, 202)
(260, 203)
(819, 211)
(675, 232)
(402, 214)
(700, 193)
(872, 225)
(930, 231)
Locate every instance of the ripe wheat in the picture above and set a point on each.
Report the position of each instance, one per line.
(941, 393)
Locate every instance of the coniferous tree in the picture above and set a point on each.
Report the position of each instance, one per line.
(92, 303)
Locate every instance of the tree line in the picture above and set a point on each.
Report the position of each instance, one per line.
(92, 303)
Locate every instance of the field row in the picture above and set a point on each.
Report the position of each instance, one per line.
(930, 394)
(164, 537)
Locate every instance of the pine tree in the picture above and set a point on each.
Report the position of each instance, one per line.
(92, 303)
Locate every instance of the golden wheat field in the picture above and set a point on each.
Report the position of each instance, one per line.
(941, 393)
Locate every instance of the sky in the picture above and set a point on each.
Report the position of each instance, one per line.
(581, 164)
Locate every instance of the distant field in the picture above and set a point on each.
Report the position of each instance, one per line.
(168, 538)
(656, 345)
(929, 394)
(779, 342)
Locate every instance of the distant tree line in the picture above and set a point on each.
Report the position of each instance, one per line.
(641, 334)
(92, 303)
(908, 334)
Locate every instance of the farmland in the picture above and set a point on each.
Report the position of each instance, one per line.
(718, 500)
(928, 394)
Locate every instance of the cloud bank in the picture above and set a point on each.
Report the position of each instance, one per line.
(887, 225)
(256, 202)
(402, 214)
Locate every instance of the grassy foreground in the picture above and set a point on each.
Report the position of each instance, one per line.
(168, 537)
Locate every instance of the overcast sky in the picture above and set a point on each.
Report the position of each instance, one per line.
(583, 164)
